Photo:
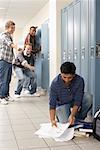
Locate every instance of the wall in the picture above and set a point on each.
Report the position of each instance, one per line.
(18, 37)
(51, 11)
(40, 17)
(55, 7)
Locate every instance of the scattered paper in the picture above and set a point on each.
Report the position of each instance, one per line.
(66, 136)
(59, 133)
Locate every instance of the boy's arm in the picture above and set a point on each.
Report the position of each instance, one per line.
(52, 117)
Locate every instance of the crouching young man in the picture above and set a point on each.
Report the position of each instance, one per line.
(67, 99)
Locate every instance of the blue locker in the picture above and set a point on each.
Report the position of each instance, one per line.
(70, 32)
(38, 61)
(64, 35)
(38, 69)
(96, 105)
(97, 61)
(45, 55)
(92, 49)
(83, 35)
(77, 35)
(84, 43)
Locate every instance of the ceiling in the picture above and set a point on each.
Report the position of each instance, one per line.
(20, 11)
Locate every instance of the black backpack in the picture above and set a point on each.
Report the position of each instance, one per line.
(96, 125)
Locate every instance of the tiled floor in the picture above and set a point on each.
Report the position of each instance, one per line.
(20, 119)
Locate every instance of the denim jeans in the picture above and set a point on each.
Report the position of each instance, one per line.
(25, 78)
(63, 111)
(5, 78)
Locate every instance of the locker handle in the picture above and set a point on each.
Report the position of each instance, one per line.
(75, 53)
(83, 53)
(75, 50)
(64, 55)
(83, 48)
(92, 51)
(69, 54)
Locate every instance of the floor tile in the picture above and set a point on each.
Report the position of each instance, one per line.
(25, 127)
(6, 136)
(37, 149)
(25, 135)
(10, 144)
(5, 128)
(53, 143)
(67, 147)
(31, 143)
(21, 121)
(90, 146)
(85, 140)
(4, 122)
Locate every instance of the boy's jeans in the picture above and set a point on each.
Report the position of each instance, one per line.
(22, 76)
(5, 78)
(63, 111)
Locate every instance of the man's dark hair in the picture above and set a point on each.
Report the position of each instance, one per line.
(68, 68)
(33, 27)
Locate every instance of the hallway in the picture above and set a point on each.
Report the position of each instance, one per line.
(20, 119)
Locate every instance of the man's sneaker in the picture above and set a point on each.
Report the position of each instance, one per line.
(17, 96)
(9, 98)
(25, 92)
(3, 101)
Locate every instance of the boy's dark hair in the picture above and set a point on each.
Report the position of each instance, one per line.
(68, 68)
(33, 27)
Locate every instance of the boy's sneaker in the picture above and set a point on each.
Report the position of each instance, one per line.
(9, 98)
(25, 92)
(17, 96)
(3, 101)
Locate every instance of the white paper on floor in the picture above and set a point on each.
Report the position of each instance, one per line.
(59, 133)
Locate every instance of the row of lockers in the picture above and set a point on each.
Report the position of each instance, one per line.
(42, 61)
(79, 42)
(80, 30)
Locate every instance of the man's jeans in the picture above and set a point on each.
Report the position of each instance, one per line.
(25, 77)
(5, 78)
(63, 111)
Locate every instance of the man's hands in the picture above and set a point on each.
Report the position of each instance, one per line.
(73, 114)
(71, 120)
(52, 117)
(54, 123)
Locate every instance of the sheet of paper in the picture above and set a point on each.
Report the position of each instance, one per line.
(66, 136)
(59, 133)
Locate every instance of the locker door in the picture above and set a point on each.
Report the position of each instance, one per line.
(38, 60)
(97, 61)
(70, 33)
(38, 68)
(77, 36)
(64, 35)
(45, 55)
(92, 50)
(84, 42)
